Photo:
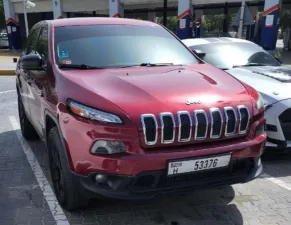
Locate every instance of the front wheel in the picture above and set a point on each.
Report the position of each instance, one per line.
(66, 192)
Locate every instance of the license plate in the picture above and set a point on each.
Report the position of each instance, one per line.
(194, 165)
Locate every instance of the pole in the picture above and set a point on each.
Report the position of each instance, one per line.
(165, 13)
(241, 21)
(25, 18)
(225, 20)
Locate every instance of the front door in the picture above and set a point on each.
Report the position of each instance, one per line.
(39, 81)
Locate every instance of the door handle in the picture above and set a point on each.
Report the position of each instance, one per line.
(29, 82)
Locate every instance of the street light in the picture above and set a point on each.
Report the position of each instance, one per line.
(26, 5)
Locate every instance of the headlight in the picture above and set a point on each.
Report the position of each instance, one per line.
(93, 114)
(260, 102)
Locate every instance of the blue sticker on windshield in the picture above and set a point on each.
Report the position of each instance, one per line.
(63, 54)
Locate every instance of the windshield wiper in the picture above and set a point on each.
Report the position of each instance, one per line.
(150, 65)
(159, 64)
(81, 66)
(249, 65)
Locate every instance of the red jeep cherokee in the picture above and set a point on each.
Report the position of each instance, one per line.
(127, 111)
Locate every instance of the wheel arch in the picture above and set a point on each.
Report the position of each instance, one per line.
(50, 122)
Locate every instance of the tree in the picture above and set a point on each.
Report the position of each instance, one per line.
(285, 19)
(172, 22)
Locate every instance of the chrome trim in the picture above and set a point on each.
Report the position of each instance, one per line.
(180, 125)
(162, 127)
(226, 121)
(239, 108)
(196, 124)
(142, 117)
(212, 110)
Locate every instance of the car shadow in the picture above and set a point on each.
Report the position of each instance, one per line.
(277, 163)
(214, 206)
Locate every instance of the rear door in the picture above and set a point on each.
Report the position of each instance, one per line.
(23, 75)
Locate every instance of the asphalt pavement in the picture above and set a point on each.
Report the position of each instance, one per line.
(26, 195)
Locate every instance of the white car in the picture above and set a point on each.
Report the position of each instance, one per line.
(254, 66)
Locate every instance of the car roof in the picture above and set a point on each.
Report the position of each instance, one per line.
(98, 21)
(204, 41)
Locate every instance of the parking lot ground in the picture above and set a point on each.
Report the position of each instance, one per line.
(26, 196)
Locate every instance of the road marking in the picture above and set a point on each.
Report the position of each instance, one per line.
(4, 92)
(43, 183)
(276, 181)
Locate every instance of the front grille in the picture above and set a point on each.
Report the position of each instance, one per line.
(230, 118)
(244, 118)
(168, 128)
(216, 123)
(201, 124)
(285, 121)
(150, 127)
(195, 126)
(185, 126)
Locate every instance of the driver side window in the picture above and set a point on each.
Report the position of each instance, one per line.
(42, 44)
(32, 41)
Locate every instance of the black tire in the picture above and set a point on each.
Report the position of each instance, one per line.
(66, 192)
(27, 129)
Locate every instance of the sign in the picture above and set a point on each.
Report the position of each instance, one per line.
(182, 23)
(269, 20)
(13, 29)
(9, 29)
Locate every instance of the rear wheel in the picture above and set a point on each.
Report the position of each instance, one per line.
(66, 192)
(27, 129)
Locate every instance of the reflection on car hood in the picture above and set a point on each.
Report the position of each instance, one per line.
(273, 82)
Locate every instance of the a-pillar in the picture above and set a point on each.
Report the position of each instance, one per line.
(116, 8)
(58, 9)
(270, 24)
(225, 18)
(12, 25)
(185, 19)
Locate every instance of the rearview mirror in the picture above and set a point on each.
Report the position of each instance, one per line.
(31, 62)
(199, 53)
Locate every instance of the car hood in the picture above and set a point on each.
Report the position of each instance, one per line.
(273, 83)
(138, 91)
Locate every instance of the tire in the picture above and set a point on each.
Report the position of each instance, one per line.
(27, 129)
(66, 192)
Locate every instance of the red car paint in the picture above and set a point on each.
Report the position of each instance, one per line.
(129, 93)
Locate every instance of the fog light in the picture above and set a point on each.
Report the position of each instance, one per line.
(108, 147)
(100, 178)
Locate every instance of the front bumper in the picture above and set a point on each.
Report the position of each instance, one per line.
(277, 132)
(156, 183)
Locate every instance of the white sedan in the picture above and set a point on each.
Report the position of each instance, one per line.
(254, 66)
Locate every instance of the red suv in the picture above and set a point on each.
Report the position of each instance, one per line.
(127, 111)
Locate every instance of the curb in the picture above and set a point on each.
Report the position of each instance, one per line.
(7, 72)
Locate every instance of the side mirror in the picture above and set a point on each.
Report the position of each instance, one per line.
(278, 59)
(31, 62)
(200, 54)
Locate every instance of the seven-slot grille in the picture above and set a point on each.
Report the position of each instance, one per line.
(196, 125)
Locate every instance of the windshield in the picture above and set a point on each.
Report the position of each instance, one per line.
(113, 46)
(229, 55)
